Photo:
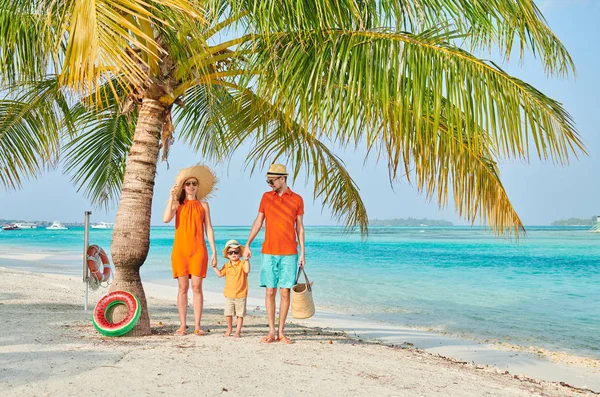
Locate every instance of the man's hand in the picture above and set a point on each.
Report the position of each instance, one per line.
(247, 252)
(301, 260)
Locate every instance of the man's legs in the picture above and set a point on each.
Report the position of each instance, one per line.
(284, 305)
(270, 306)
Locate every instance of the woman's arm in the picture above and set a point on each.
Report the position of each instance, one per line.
(171, 208)
(210, 233)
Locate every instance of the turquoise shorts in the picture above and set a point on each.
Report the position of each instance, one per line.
(278, 271)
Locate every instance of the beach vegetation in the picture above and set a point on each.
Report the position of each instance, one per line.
(100, 85)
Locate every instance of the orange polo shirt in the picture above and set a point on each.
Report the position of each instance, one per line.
(280, 222)
(236, 280)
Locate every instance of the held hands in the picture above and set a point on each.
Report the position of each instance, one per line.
(247, 252)
(213, 261)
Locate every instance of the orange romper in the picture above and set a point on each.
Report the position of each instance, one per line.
(189, 256)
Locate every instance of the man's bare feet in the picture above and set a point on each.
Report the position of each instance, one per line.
(180, 331)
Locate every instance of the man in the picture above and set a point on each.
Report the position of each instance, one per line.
(282, 210)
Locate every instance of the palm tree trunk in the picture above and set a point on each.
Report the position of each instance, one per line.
(131, 234)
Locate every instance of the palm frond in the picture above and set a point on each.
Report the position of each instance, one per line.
(496, 23)
(343, 79)
(32, 120)
(96, 157)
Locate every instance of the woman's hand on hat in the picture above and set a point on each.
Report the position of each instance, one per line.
(174, 191)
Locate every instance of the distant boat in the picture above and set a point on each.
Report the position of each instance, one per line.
(103, 225)
(57, 226)
(596, 229)
(26, 225)
(10, 226)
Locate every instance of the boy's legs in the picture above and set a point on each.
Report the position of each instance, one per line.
(229, 311)
(240, 311)
(229, 325)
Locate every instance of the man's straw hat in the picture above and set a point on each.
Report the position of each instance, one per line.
(277, 170)
(204, 175)
(232, 244)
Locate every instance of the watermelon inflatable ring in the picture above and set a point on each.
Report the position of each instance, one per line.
(113, 299)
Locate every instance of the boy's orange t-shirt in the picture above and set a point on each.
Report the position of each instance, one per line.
(280, 222)
(236, 280)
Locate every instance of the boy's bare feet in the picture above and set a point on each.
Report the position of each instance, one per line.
(228, 332)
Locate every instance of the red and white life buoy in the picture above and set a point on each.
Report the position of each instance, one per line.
(98, 263)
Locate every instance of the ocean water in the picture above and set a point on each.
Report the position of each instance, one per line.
(542, 291)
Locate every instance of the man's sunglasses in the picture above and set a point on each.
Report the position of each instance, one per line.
(192, 183)
(272, 181)
(233, 252)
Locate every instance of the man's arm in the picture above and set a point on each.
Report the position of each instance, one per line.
(300, 233)
(258, 222)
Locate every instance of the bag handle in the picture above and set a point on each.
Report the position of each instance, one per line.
(301, 270)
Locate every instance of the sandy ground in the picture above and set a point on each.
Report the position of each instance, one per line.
(48, 347)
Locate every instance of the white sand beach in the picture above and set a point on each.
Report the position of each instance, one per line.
(48, 347)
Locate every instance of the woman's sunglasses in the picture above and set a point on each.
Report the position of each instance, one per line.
(233, 252)
(192, 183)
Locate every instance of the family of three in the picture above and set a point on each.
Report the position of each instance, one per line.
(280, 210)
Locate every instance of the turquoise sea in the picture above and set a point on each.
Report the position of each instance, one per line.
(543, 291)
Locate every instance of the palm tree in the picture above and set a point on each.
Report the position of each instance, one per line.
(98, 83)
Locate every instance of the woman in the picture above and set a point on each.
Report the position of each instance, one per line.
(192, 220)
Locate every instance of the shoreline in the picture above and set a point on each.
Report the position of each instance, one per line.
(552, 366)
(60, 353)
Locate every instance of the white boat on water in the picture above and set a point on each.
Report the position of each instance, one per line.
(26, 225)
(103, 225)
(57, 226)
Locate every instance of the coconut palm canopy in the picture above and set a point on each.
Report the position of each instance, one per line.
(100, 85)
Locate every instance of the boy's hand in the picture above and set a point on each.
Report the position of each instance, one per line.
(247, 252)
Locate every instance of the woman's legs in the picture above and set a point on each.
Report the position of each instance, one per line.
(182, 301)
(198, 302)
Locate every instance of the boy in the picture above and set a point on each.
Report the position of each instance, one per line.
(236, 285)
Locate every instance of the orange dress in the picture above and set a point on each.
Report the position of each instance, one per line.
(189, 256)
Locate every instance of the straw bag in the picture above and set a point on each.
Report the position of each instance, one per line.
(302, 299)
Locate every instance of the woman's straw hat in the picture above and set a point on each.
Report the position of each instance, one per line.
(277, 170)
(204, 175)
(232, 244)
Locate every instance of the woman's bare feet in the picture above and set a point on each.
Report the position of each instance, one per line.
(180, 331)
(237, 335)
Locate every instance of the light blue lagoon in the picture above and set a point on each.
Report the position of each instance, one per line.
(542, 291)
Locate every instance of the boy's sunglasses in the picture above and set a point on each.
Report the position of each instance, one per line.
(233, 252)
(191, 183)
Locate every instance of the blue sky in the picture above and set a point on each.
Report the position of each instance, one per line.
(540, 192)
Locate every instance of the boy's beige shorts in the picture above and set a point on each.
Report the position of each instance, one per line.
(235, 306)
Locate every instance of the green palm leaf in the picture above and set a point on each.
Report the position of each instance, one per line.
(32, 120)
(96, 156)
